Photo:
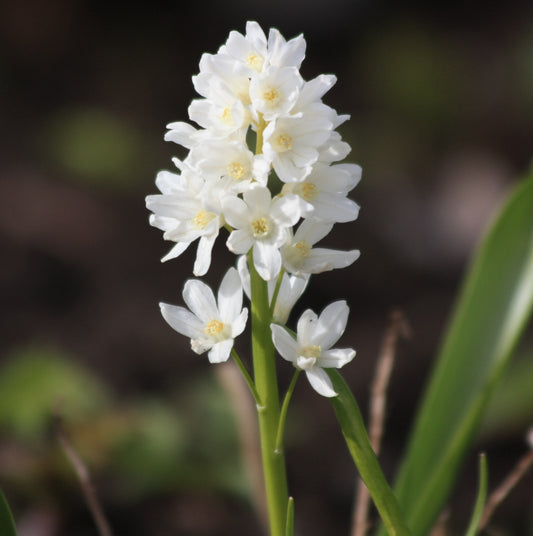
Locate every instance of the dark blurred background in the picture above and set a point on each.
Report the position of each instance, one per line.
(441, 100)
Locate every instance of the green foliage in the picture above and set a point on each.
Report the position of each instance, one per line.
(354, 431)
(94, 146)
(35, 381)
(492, 311)
(481, 497)
(290, 518)
(7, 525)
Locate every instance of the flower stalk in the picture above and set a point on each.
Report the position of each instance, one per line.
(269, 412)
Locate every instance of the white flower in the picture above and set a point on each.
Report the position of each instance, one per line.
(250, 50)
(275, 91)
(222, 111)
(219, 158)
(262, 223)
(299, 256)
(311, 350)
(187, 210)
(291, 143)
(211, 325)
(325, 189)
(291, 288)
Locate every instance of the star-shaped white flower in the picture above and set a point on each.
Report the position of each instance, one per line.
(262, 223)
(311, 350)
(212, 325)
(300, 257)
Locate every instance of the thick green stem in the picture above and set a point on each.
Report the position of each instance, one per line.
(269, 412)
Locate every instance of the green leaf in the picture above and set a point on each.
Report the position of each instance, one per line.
(354, 431)
(7, 525)
(493, 309)
(289, 531)
(481, 497)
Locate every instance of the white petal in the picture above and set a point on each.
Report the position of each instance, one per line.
(336, 358)
(220, 351)
(230, 296)
(286, 210)
(267, 260)
(258, 199)
(320, 382)
(312, 231)
(240, 241)
(182, 320)
(330, 325)
(244, 274)
(200, 300)
(235, 211)
(239, 324)
(322, 260)
(306, 327)
(203, 254)
(285, 344)
(291, 289)
(335, 207)
(176, 251)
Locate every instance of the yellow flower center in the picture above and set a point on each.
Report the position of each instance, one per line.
(203, 218)
(236, 170)
(283, 143)
(271, 96)
(302, 248)
(312, 351)
(255, 61)
(260, 228)
(227, 117)
(307, 190)
(213, 327)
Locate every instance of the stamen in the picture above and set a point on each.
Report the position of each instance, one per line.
(307, 190)
(227, 117)
(271, 96)
(236, 170)
(284, 143)
(260, 228)
(255, 61)
(302, 248)
(312, 351)
(213, 327)
(203, 218)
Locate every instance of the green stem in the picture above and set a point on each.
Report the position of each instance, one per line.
(284, 408)
(269, 412)
(246, 376)
(276, 292)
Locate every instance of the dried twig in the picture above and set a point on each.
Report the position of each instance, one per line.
(503, 490)
(84, 478)
(397, 327)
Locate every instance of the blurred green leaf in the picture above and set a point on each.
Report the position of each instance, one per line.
(7, 525)
(34, 381)
(94, 146)
(493, 309)
(510, 410)
(481, 497)
(151, 449)
(354, 432)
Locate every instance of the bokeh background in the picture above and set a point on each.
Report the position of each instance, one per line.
(441, 99)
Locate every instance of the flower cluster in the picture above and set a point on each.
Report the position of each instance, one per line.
(252, 88)
(263, 163)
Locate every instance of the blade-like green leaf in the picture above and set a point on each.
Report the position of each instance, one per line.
(354, 431)
(493, 309)
(7, 525)
(481, 497)
(289, 531)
